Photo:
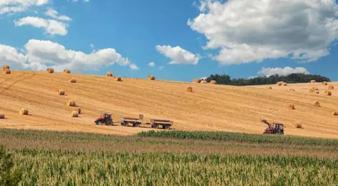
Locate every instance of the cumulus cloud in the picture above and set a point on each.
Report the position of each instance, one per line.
(282, 71)
(51, 26)
(178, 55)
(251, 31)
(55, 15)
(40, 54)
(13, 6)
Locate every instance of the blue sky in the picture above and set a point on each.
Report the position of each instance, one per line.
(148, 31)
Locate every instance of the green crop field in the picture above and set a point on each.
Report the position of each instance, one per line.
(165, 158)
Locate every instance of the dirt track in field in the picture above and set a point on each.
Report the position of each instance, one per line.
(209, 107)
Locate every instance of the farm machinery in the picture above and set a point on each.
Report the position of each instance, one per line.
(273, 128)
(106, 119)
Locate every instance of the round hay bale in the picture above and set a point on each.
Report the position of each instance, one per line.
(328, 93)
(325, 83)
(292, 90)
(270, 88)
(61, 92)
(213, 82)
(314, 90)
(196, 81)
(2, 116)
(280, 83)
(75, 114)
(5, 67)
(71, 103)
(118, 79)
(292, 107)
(285, 84)
(299, 126)
(317, 104)
(73, 81)
(7, 71)
(79, 110)
(66, 71)
(109, 74)
(313, 81)
(189, 89)
(50, 70)
(335, 113)
(23, 112)
(151, 77)
(204, 82)
(331, 87)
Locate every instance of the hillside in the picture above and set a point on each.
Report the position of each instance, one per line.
(209, 107)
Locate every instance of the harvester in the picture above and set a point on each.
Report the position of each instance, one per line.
(273, 128)
(104, 119)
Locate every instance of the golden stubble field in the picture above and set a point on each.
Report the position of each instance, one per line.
(208, 107)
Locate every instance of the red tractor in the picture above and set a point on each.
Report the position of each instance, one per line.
(273, 128)
(104, 119)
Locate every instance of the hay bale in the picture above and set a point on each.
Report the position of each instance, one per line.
(79, 110)
(285, 84)
(75, 114)
(118, 79)
(317, 104)
(23, 112)
(189, 89)
(335, 113)
(325, 83)
(270, 88)
(109, 74)
(196, 81)
(331, 87)
(204, 82)
(292, 90)
(73, 81)
(50, 70)
(66, 71)
(213, 82)
(280, 83)
(71, 103)
(5, 67)
(7, 71)
(292, 107)
(299, 126)
(314, 90)
(313, 81)
(61, 92)
(2, 116)
(151, 77)
(328, 93)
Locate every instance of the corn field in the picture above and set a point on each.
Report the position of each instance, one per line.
(71, 168)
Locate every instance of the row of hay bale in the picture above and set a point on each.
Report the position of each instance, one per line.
(51, 71)
(204, 81)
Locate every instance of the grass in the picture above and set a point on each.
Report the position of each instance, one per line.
(169, 158)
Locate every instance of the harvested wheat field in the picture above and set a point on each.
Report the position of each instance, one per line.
(210, 107)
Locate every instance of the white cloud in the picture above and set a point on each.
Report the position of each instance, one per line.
(282, 71)
(151, 64)
(13, 6)
(52, 27)
(40, 54)
(248, 31)
(178, 55)
(55, 15)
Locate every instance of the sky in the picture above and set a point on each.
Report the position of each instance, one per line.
(171, 39)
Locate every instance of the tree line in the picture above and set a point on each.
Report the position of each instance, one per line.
(263, 80)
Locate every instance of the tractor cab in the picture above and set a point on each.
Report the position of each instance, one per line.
(104, 119)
